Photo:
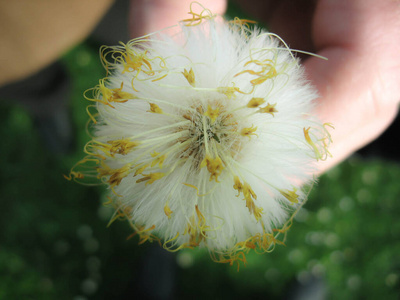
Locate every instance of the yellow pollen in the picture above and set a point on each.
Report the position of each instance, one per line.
(248, 131)
(150, 178)
(214, 166)
(255, 102)
(212, 113)
(189, 76)
(269, 109)
(155, 109)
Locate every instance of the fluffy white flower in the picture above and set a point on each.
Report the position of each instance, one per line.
(205, 137)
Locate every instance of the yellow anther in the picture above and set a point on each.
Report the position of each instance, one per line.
(144, 234)
(255, 102)
(155, 109)
(249, 195)
(248, 191)
(268, 71)
(269, 109)
(159, 159)
(290, 195)
(214, 166)
(212, 113)
(248, 131)
(116, 175)
(238, 185)
(197, 230)
(122, 147)
(107, 96)
(189, 76)
(228, 91)
(150, 178)
(134, 62)
(141, 169)
(258, 212)
(167, 210)
(117, 95)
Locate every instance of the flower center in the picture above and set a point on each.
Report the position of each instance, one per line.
(211, 132)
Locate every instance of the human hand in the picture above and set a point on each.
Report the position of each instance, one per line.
(359, 85)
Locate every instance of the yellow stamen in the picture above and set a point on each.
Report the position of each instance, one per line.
(290, 195)
(214, 166)
(241, 22)
(116, 175)
(159, 159)
(268, 71)
(255, 102)
(74, 175)
(197, 231)
(167, 210)
(122, 147)
(238, 185)
(107, 96)
(189, 76)
(248, 131)
(318, 154)
(155, 109)
(249, 195)
(228, 91)
(144, 234)
(141, 169)
(150, 178)
(212, 113)
(269, 109)
(198, 18)
(135, 62)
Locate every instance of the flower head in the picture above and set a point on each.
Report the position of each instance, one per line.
(204, 137)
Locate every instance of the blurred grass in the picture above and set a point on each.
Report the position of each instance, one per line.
(54, 243)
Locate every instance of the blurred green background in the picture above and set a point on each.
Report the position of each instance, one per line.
(55, 244)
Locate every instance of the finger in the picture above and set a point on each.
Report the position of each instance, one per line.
(359, 83)
(36, 33)
(289, 19)
(147, 16)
